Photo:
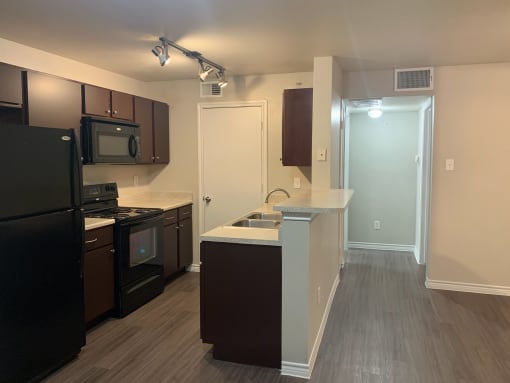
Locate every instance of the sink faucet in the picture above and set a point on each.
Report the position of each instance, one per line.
(275, 190)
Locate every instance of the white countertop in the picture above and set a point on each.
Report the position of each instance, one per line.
(316, 201)
(313, 201)
(245, 235)
(95, 223)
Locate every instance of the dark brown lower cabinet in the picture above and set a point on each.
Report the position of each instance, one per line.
(178, 241)
(98, 273)
(240, 302)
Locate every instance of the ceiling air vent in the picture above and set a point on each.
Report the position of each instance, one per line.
(210, 89)
(413, 79)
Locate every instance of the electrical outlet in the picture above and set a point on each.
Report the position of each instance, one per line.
(321, 154)
(377, 224)
(135, 180)
(297, 182)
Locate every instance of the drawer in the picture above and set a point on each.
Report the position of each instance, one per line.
(185, 212)
(170, 217)
(98, 237)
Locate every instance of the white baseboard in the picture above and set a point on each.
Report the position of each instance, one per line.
(304, 370)
(467, 287)
(299, 370)
(195, 268)
(380, 246)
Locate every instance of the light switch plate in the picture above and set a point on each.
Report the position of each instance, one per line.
(297, 183)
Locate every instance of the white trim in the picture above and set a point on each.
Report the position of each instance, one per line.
(194, 268)
(237, 104)
(304, 370)
(467, 287)
(320, 334)
(299, 370)
(380, 246)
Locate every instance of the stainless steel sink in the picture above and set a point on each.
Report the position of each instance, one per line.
(259, 223)
(271, 216)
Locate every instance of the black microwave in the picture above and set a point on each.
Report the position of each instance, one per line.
(110, 142)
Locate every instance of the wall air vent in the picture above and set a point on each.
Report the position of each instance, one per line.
(210, 89)
(413, 79)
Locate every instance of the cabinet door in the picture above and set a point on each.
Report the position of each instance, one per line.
(185, 243)
(170, 249)
(143, 116)
(297, 127)
(122, 105)
(161, 132)
(11, 99)
(10, 90)
(96, 101)
(53, 101)
(98, 282)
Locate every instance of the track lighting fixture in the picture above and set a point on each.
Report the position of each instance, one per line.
(206, 66)
(203, 70)
(222, 82)
(161, 52)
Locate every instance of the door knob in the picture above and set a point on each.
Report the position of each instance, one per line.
(207, 199)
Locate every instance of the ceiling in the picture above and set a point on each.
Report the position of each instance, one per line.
(263, 36)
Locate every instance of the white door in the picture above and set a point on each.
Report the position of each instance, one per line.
(233, 161)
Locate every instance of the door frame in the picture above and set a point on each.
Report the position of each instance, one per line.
(262, 104)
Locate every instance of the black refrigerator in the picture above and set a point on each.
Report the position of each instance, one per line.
(41, 251)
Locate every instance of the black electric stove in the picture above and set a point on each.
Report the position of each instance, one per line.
(100, 201)
(138, 242)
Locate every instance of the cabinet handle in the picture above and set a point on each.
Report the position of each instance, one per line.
(91, 241)
(108, 111)
(112, 251)
(157, 157)
(115, 112)
(153, 158)
(170, 219)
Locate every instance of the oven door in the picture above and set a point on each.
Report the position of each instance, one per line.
(139, 249)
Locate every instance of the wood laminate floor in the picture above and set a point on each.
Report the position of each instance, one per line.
(384, 326)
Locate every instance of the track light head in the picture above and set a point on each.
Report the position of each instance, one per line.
(222, 81)
(161, 52)
(203, 71)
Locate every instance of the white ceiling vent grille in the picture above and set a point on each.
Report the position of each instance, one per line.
(210, 89)
(413, 79)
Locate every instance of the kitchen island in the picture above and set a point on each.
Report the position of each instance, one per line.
(311, 242)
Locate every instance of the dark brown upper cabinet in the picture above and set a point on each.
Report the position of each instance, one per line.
(154, 130)
(297, 127)
(52, 101)
(11, 96)
(108, 103)
(161, 130)
(143, 117)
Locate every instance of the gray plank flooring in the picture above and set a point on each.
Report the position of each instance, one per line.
(384, 326)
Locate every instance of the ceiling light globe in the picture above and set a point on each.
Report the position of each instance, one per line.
(374, 113)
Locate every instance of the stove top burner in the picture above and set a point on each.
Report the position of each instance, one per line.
(124, 213)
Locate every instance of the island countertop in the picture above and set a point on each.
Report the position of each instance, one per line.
(308, 202)
(316, 201)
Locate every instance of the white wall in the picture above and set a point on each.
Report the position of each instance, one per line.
(327, 90)
(383, 172)
(469, 238)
